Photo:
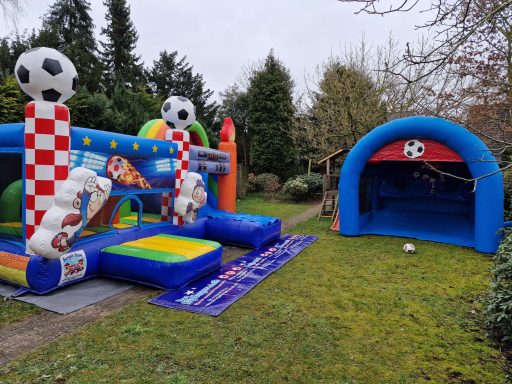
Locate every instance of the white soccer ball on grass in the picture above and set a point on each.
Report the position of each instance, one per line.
(409, 248)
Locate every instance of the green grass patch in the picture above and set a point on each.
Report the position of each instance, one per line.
(258, 204)
(346, 310)
(12, 311)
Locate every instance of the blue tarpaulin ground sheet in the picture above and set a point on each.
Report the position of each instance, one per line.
(215, 292)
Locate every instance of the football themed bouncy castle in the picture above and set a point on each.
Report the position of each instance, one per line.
(78, 203)
(425, 178)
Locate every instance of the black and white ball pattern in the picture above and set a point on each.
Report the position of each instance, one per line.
(178, 112)
(414, 149)
(46, 74)
(409, 248)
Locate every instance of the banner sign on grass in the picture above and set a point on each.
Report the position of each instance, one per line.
(215, 292)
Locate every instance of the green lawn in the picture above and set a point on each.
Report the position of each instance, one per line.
(256, 203)
(346, 310)
(12, 311)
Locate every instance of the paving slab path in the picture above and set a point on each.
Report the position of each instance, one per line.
(29, 334)
(306, 215)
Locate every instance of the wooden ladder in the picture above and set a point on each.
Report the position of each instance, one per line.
(329, 205)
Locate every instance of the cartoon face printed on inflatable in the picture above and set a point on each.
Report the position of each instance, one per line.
(191, 198)
(79, 197)
(199, 194)
(73, 219)
(97, 196)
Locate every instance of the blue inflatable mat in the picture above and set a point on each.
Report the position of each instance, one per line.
(241, 229)
(209, 212)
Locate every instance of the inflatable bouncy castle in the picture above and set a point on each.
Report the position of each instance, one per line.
(78, 203)
(425, 178)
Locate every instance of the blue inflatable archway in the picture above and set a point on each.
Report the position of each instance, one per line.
(479, 227)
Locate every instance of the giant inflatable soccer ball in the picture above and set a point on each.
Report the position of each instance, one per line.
(178, 112)
(46, 74)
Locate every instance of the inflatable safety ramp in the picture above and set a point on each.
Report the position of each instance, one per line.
(241, 229)
(163, 261)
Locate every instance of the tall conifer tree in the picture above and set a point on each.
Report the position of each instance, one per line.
(69, 28)
(122, 66)
(171, 75)
(270, 116)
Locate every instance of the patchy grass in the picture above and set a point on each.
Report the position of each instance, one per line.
(258, 204)
(346, 310)
(12, 311)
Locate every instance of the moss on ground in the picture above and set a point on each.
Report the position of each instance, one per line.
(346, 310)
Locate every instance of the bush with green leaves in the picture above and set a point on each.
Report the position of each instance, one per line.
(252, 185)
(303, 187)
(507, 186)
(499, 301)
(314, 181)
(268, 183)
(297, 189)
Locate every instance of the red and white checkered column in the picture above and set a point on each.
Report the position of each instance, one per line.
(166, 206)
(182, 139)
(47, 146)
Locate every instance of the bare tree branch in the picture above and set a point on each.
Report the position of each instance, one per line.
(12, 10)
(472, 180)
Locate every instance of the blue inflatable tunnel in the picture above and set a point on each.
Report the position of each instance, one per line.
(409, 178)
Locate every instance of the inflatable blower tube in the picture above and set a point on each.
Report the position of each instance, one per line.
(10, 201)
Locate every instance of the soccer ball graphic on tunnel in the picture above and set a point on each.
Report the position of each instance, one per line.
(414, 149)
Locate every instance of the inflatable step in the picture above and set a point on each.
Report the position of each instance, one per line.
(163, 261)
(240, 229)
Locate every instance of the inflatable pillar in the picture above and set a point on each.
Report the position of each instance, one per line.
(227, 183)
(47, 146)
(182, 138)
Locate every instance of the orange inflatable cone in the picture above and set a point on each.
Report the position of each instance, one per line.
(227, 183)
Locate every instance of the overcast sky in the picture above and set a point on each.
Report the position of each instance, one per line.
(220, 37)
